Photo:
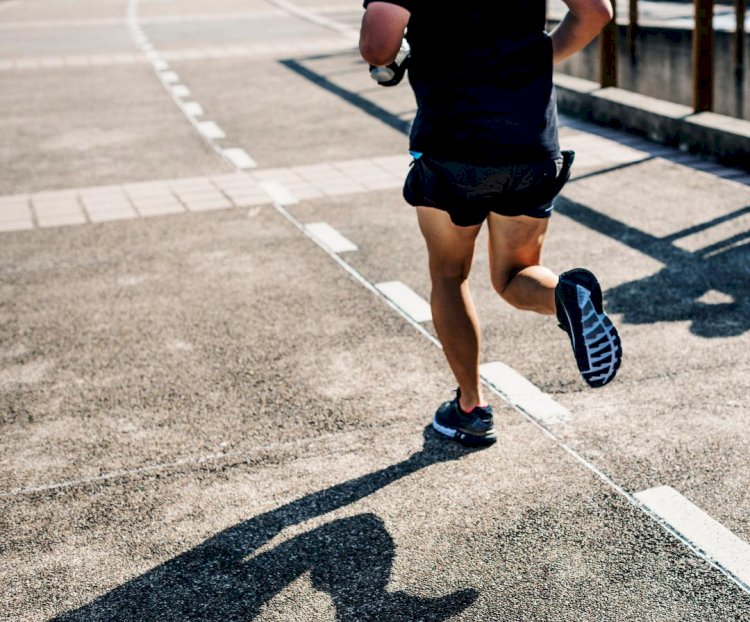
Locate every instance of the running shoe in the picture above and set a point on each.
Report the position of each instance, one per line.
(473, 429)
(594, 338)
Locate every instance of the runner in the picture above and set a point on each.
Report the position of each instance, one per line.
(485, 148)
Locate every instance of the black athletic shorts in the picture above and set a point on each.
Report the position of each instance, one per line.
(469, 192)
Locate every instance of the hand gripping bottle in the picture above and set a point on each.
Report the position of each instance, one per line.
(392, 74)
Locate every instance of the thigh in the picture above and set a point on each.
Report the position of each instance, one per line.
(515, 243)
(450, 247)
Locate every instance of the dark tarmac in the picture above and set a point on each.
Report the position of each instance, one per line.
(206, 416)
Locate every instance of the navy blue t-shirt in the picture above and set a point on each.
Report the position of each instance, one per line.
(482, 75)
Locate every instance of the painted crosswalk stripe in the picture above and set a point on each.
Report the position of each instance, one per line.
(194, 109)
(239, 158)
(406, 299)
(329, 237)
(705, 533)
(521, 393)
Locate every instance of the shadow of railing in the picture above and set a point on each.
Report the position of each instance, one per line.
(225, 578)
(673, 294)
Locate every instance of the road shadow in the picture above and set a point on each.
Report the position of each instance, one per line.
(675, 293)
(350, 559)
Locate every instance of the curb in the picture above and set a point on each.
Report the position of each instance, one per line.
(724, 138)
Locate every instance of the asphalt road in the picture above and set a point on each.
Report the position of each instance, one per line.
(206, 415)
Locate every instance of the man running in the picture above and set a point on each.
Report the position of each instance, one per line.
(485, 148)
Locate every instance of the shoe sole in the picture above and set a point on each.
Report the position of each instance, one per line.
(604, 344)
(469, 440)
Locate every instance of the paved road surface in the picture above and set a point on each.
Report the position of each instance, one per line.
(206, 415)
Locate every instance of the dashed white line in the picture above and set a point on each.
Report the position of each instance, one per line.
(170, 77)
(238, 157)
(208, 129)
(522, 394)
(330, 237)
(211, 130)
(194, 109)
(277, 192)
(631, 498)
(180, 91)
(701, 530)
(406, 299)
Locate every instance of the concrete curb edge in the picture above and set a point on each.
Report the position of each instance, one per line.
(722, 137)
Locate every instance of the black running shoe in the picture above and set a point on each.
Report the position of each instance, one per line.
(473, 429)
(594, 338)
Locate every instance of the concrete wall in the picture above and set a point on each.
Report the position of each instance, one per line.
(662, 68)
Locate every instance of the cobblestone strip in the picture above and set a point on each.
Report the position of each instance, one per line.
(189, 54)
(98, 204)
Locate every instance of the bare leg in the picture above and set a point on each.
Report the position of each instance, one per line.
(451, 251)
(515, 262)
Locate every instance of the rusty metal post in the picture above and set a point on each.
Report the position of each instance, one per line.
(633, 26)
(739, 35)
(608, 52)
(703, 56)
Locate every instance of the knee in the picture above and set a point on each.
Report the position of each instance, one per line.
(500, 281)
(449, 272)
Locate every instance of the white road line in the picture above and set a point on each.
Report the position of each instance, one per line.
(278, 193)
(522, 394)
(544, 428)
(238, 157)
(194, 109)
(328, 236)
(406, 299)
(353, 435)
(703, 532)
(170, 77)
(351, 34)
(211, 130)
(180, 91)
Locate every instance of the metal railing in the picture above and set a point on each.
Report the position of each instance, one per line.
(702, 49)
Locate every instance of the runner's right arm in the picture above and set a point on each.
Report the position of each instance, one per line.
(584, 20)
(382, 31)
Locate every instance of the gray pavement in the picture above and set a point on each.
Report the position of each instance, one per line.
(206, 416)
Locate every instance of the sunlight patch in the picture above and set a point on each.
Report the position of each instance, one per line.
(715, 297)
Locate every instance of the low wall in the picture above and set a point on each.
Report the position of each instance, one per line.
(720, 136)
(662, 68)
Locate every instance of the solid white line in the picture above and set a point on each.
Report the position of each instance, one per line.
(278, 193)
(194, 460)
(584, 462)
(329, 237)
(407, 300)
(522, 394)
(704, 532)
(279, 205)
(315, 18)
(238, 157)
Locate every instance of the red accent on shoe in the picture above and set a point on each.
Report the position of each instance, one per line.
(473, 408)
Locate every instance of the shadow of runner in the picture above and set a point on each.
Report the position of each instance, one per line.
(673, 294)
(350, 559)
